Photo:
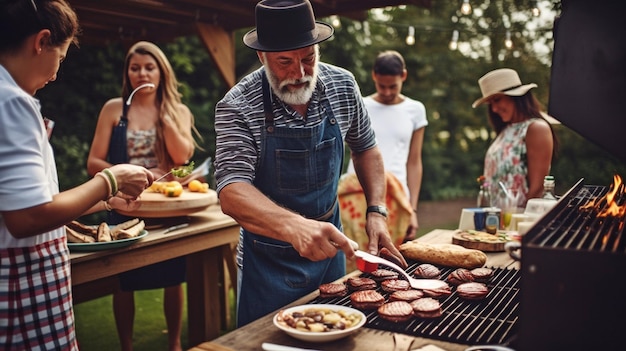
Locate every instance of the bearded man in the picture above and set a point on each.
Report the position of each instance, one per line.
(280, 138)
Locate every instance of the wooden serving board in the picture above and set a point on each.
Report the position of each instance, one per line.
(473, 239)
(157, 205)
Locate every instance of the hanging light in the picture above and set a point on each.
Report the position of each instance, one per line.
(335, 21)
(535, 10)
(454, 42)
(410, 38)
(508, 43)
(466, 8)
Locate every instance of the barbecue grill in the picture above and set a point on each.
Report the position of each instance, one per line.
(573, 259)
(570, 262)
(492, 320)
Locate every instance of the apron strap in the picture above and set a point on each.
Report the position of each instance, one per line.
(267, 101)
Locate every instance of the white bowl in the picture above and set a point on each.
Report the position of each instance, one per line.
(312, 336)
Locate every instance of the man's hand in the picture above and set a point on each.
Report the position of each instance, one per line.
(320, 240)
(378, 233)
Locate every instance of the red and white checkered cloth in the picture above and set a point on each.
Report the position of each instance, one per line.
(35, 298)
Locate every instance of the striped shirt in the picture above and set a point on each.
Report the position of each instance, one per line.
(239, 119)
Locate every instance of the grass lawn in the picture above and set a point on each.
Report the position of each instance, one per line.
(95, 323)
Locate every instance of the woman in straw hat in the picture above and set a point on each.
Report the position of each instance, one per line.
(521, 155)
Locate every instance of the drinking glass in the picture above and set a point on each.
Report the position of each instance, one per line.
(507, 202)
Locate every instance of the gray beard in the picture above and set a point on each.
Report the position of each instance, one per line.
(299, 97)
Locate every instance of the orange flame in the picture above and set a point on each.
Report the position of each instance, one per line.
(612, 209)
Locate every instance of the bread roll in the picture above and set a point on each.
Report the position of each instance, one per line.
(123, 226)
(104, 233)
(449, 255)
(130, 232)
(76, 226)
(76, 237)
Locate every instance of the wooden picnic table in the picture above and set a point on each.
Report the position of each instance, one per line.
(207, 243)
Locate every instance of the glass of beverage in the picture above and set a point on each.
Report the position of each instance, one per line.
(508, 205)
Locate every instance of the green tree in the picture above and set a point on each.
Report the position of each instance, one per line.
(444, 80)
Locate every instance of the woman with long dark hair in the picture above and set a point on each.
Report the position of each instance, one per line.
(521, 154)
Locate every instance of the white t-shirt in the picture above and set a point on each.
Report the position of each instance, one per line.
(28, 174)
(394, 126)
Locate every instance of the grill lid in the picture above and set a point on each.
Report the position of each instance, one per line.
(588, 78)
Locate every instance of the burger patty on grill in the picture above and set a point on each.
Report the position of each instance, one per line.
(396, 311)
(366, 299)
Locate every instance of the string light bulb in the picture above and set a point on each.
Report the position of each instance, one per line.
(535, 10)
(454, 42)
(335, 21)
(410, 38)
(466, 8)
(508, 43)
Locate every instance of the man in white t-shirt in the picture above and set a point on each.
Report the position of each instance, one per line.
(399, 124)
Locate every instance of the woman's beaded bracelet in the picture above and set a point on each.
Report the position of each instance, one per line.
(112, 179)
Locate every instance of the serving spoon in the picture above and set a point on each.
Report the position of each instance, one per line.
(420, 284)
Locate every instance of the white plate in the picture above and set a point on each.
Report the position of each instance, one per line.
(98, 246)
(319, 336)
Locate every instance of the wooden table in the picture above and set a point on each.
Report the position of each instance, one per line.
(207, 243)
(251, 336)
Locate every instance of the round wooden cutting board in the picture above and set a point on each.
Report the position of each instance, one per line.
(473, 239)
(156, 205)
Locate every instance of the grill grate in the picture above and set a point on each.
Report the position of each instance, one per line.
(492, 320)
(567, 226)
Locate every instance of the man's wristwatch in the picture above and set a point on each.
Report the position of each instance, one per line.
(381, 210)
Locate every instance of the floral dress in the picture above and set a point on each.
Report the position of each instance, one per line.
(506, 161)
(141, 147)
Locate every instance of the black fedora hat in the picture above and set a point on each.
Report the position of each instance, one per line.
(283, 25)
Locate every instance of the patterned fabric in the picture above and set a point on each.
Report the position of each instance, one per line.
(141, 147)
(506, 160)
(239, 119)
(35, 300)
(352, 205)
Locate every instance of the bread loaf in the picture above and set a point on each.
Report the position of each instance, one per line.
(450, 255)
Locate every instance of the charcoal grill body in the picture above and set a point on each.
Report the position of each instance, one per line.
(572, 293)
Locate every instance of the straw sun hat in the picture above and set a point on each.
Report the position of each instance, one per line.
(501, 81)
(284, 25)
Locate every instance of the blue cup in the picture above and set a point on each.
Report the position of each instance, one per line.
(479, 219)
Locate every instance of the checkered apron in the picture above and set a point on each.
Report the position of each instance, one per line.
(35, 298)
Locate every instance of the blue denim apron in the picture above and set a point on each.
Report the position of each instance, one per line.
(157, 275)
(299, 169)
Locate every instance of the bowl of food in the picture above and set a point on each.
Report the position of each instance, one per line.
(319, 322)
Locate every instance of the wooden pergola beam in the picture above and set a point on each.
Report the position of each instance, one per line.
(221, 46)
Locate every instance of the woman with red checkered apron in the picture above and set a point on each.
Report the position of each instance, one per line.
(35, 284)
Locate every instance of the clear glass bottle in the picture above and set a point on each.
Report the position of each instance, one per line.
(548, 188)
(484, 197)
